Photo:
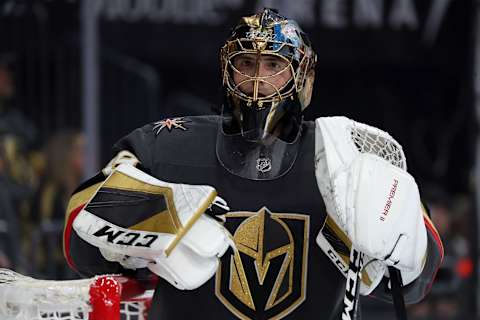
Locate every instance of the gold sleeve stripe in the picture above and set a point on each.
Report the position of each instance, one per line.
(81, 197)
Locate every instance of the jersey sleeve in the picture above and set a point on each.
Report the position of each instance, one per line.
(140, 143)
(81, 256)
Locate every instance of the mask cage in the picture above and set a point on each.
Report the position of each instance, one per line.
(297, 61)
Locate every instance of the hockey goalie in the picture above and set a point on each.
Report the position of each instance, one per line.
(256, 213)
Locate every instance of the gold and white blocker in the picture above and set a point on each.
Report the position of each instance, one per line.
(180, 243)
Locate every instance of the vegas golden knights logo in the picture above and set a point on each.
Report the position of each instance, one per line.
(265, 278)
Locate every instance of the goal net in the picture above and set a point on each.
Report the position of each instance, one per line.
(104, 297)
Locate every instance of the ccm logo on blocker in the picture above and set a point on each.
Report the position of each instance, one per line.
(126, 238)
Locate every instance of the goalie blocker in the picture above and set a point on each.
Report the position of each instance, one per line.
(168, 234)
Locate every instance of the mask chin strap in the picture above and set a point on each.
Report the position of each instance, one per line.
(350, 300)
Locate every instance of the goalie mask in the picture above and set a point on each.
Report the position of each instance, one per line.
(268, 72)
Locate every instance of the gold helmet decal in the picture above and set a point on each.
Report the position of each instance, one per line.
(257, 280)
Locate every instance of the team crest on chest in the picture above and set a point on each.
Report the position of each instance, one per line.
(174, 123)
(265, 277)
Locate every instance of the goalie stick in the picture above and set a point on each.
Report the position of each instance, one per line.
(350, 300)
(398, 302)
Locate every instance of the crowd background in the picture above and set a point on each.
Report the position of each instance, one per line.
(406, 66)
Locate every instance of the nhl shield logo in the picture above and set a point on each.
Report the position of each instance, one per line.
(265, 278)
(264, 165)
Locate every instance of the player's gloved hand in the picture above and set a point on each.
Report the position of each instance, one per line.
(384, 217)
(375, 203)
(140, 221)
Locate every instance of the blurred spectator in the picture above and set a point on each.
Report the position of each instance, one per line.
(17, 135)
(64, 164)
(7, 216)
(12, 197)
(12, 122)
(446, 301)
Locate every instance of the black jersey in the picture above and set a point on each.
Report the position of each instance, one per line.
(279, 271)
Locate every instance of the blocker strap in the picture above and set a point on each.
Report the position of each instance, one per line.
(398, 302)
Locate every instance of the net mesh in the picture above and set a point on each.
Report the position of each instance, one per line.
(26, 298)
(369, 139)
(137, 308)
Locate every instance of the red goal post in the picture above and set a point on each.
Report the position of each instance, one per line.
(106, 297)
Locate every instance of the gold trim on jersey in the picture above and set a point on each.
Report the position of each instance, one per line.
(81, 197)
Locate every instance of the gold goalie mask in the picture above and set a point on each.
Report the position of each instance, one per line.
(268, 72)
